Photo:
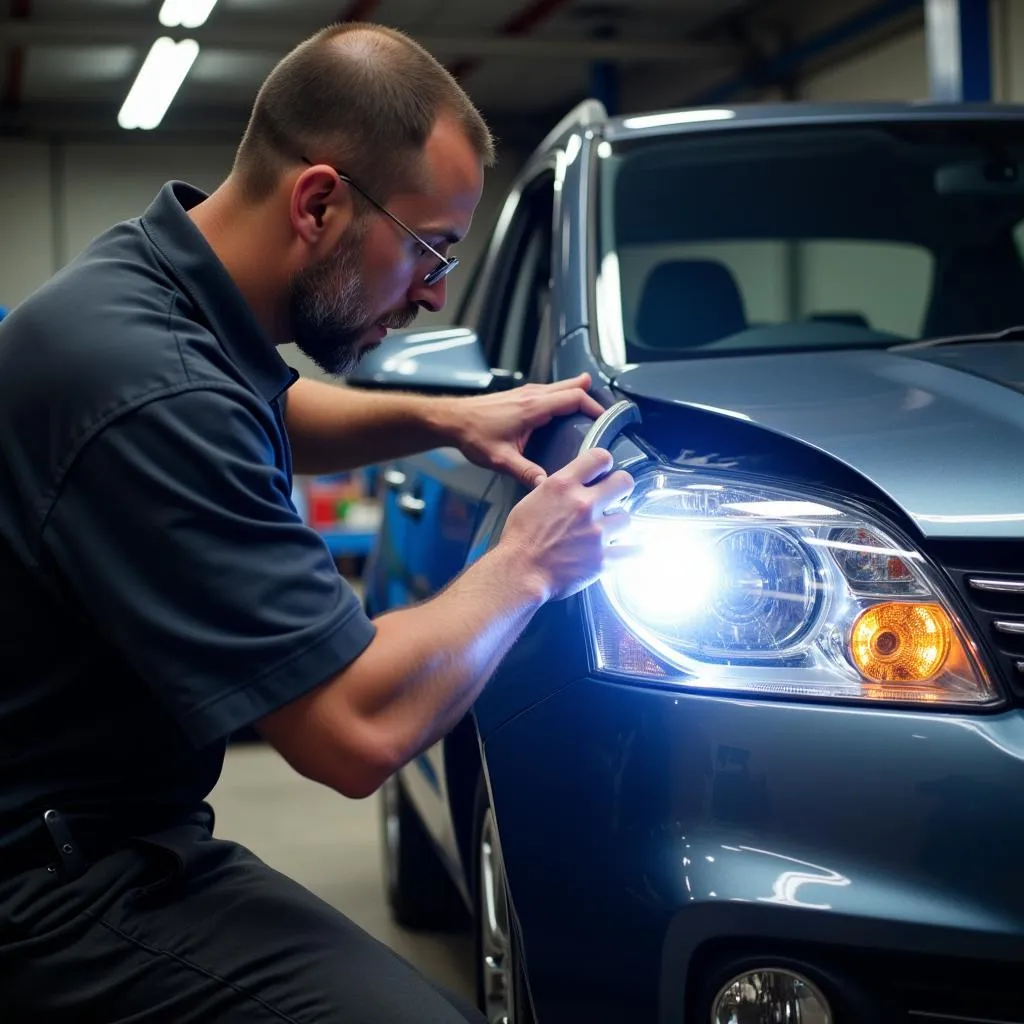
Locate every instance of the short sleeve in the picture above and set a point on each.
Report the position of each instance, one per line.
(176, 530)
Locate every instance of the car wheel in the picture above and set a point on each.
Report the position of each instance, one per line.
(502, 994)
(420, 893)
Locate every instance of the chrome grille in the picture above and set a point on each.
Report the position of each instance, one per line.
(990, 585)
(997, 601)
(948, 1018)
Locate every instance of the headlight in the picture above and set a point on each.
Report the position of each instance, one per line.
(746, 588)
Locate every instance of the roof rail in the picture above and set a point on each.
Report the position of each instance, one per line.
(584, 115)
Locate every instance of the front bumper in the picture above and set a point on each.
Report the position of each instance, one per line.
(652, 836)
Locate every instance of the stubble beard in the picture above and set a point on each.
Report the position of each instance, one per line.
(331, 312)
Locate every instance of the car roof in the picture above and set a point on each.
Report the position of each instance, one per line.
(697, 119)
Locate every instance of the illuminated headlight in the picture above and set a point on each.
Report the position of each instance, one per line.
(745, 588)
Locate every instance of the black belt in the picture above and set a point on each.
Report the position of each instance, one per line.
(61, 844)
(69, 844)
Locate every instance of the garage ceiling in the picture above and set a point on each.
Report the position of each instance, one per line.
(70, 63)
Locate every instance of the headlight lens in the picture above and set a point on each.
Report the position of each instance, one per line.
(746, 588)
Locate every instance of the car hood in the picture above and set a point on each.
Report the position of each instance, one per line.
(940, 430)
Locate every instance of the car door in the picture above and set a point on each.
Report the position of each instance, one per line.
(434, 503)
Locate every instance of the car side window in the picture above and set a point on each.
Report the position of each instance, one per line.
(522, 281)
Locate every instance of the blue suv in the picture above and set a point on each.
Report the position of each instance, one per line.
(771, 768)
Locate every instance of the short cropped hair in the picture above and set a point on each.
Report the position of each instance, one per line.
(362, 97)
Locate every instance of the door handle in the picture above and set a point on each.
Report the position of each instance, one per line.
(394, 478)
(411, 505)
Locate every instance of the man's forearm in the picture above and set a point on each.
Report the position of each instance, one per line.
(419, 676)
(439, 654)
(427, 664)
(333, 429)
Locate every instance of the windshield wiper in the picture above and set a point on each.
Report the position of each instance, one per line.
(1009, 334)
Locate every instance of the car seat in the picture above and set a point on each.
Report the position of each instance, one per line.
(853, 319)
(686, 304)
(978, 289)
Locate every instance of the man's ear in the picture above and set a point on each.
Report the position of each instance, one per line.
(321, 207)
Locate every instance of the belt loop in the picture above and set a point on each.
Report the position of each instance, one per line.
(71, 856)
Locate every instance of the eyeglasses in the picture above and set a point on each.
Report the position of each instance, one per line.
(446, 264)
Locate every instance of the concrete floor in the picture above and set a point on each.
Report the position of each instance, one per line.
(331, 845)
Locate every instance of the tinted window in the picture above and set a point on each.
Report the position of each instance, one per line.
(518, 295)
(760, 240)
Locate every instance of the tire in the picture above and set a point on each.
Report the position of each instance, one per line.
(421, 895)
(502, 993)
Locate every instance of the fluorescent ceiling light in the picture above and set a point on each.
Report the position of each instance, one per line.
(185, 13)
(157, 83)
(678, 117)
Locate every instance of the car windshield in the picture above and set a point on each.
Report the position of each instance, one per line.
(766, 239)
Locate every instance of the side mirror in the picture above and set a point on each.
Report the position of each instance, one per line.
(444, 360)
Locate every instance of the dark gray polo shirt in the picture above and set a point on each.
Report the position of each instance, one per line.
(158, 590)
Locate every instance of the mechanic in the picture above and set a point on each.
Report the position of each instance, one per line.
(159, 592)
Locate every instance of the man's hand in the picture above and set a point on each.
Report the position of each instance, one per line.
(563, 532)
(493, 430)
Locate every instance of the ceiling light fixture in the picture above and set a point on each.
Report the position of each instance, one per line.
(185, 13)
(157, 82)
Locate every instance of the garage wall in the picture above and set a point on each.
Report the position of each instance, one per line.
(1008, 47)
(103, 184)
(55, 198)
(26, 220)
(896, 70)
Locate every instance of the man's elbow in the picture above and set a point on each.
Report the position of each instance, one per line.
(351, 756)
(359, 761)
(364, 773)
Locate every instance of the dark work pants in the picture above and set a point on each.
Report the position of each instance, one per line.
(184, 928)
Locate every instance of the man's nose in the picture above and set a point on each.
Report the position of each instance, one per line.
(431, 297)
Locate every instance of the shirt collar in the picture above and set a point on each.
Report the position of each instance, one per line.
(207, 282)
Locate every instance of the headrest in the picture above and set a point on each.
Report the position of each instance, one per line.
(689, 303)
(853, 319)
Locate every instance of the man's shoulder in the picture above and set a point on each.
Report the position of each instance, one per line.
(109, 329)
(107, 334)
(112, 313)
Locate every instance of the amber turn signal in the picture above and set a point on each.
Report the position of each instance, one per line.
(901, 642)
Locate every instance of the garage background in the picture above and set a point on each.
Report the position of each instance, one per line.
(67, 171)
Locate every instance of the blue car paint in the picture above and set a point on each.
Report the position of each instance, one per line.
(646, 829)
(948, 414)
(607, 840)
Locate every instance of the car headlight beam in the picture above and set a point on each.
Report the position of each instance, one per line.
(748, 588)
